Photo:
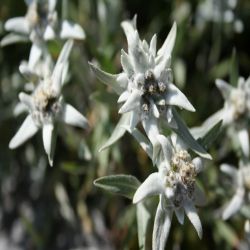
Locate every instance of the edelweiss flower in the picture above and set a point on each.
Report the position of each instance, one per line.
(146, 86)
(236, 110)
(175, 183)
(46, 107)
(241, 181)
(38, 25)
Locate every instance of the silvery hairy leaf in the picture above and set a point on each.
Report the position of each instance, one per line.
(186, 136)
(108, 79)
(211, 135)
(124, 185)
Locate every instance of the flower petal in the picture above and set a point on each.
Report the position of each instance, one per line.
(52, 5)
(123, 97)
(162, 224)
(26, 131)
(122, 80)
(168, 45)
(17, 24)
(154, 109)
(152, 46)
(175, 97)
(229, 170)
(70, 30)
(27, 100)
(13, 38)
(49, 33)
(193, 217)
(132, 102)
(49, 141)
(126, 63)
(153, 185)
(118, 132)
(179, 212)
(134, 120)
(73, 117)
(19, 109)
(244, 140)
(28, 73)
(135, 49)
(198, 164)
(35, 55)
(235, 204)
(224, 88)
(162, 70)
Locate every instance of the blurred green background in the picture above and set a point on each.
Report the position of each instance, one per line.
(59, 208)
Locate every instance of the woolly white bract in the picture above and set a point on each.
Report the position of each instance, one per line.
(241, 184)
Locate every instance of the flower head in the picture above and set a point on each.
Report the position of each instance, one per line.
(175, 183)
(236, 110)
(46, 107)
(145, 85)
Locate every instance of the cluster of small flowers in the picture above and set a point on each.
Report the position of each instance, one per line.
(45, 103)
(235, 116)
(148, 95)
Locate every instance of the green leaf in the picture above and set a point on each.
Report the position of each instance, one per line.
(211, 135)
(185, 135)
(118, 132)
(106, 78)
(124, 185)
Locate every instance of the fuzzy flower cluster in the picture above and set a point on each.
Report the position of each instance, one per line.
(46, 107)
(44, 103)
(175, 184)
(148, 95)
(145, 88)
(235, 113)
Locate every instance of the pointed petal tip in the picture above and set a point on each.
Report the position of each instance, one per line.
(11, 144)
(51, 162)
(135, 199)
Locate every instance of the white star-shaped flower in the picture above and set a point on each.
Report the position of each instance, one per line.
(175, 183)
(236, 110)
(46, 108)
(145, 85)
